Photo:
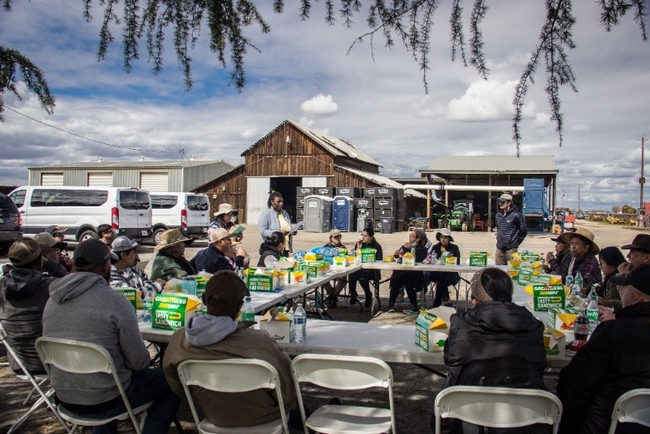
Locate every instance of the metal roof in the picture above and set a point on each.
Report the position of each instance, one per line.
(146, 164)
(479, 164)
(334, 145)
(383, 181)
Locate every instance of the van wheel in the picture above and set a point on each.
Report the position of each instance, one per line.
(156, 235)
(88, 235)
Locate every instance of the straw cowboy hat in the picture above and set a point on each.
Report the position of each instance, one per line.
(585, 235)
(170, 238)
(218, 235)
(444, 232)
(225, 208)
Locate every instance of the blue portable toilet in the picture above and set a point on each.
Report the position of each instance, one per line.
(343, 213)
(534, 207)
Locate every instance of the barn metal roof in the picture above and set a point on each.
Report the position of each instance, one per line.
(384, 181)
(486, 164)
(334, 145)
(148, 164)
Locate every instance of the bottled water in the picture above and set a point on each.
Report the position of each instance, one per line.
(300, 324)
(569, 280)
(579, 280)
(247, 311)
(147, 306)
(592, 310)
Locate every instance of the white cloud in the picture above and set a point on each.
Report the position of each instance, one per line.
(486, 101)
(580, 127)
(249, 133)
(319, 105)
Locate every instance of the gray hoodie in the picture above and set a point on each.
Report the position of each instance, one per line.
(83, 307)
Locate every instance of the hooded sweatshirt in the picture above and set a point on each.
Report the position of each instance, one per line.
(209, 337)
(23, 294)
(83, 307)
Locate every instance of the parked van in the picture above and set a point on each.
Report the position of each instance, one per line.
(189, 212)
(81, 209)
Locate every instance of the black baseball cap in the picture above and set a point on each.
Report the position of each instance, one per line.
(92, 253)
(639, 278)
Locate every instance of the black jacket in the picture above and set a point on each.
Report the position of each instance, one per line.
(451, 248)
(213, 260)
(373, 244)
(494, 329)
(616, 359)
(511, 229)
(266, 251)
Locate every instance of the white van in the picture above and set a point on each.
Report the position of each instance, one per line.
(81, 209)
(189, 212)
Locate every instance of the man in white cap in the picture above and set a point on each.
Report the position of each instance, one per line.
(511, 229)
(124, 271)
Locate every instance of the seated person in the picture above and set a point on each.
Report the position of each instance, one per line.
(84, 307)
(583, 259)
(334, 290)
(443, 279)
(412, 281)
(58, 233)
(216, 336)
(364, 277)
(562, 253)
(639, 253)
(170, 263)
(50, 252)
(124, 271)
(610, 258)
(106, 234)
(273, 247)
(496, 340)
(219, 254)
(612, 362)
(24, 291)
(225, 218)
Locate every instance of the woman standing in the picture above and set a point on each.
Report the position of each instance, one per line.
(364, 277)
(275, 218)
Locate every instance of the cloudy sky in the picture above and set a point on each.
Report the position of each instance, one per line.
(304, 72)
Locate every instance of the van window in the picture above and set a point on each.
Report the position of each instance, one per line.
(54, 197)
(197, 203)
(134, 199)
(163, 202)
(18, 197)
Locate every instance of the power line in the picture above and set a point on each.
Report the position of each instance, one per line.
(181, 151)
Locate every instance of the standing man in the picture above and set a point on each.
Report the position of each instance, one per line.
(83, 307)
(612, 362)
(511, 230)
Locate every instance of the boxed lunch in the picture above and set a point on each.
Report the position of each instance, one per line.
(173, 311)
(408, 259)
(264, 280)
(431, 328)
(554, 342)
(562, 319)
(278, 325)
(367, 255)
(131, 294)
(548, 296)
(478, 259)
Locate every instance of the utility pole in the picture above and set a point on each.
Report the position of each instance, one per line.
(641, 213)
(578, 199)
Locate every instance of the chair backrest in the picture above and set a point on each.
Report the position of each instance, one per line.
(631, 407)
(77, 357)
(342, 373)
(231, 376)
(498, 407)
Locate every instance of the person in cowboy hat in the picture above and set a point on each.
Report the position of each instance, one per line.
(223, 218)
(218, 255)
(443, 279)
(511, 229)
(639, 253)
(583, 259)
(169, 262)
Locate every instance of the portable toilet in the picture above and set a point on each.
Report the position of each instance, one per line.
(318, 213)
(343, 213)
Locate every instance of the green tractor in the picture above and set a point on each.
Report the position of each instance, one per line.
(462, 216)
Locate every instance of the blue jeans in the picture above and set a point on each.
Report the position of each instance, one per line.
(145, 386)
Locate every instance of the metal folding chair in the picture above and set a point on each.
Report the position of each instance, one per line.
(631, 407)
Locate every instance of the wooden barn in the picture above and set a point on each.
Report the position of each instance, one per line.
(292, 156)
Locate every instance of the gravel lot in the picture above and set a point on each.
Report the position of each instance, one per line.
(415, 388)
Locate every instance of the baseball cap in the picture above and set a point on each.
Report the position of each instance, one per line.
(23, 251)
(54, 229)
(639, 278)
(505, 197)
(335, 233)
(48, 240)
(90, 254)
(123, 244)
(224, 294)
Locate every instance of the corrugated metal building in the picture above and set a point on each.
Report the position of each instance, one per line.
(292, 156)
(497, 171)
(149, 175)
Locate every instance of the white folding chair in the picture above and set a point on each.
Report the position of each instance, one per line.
(345, 373)
(498, 407)
(37, 383)
(78, 357)
(631, 407)
(233, 376)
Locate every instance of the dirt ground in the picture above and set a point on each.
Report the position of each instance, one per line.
(415, 388)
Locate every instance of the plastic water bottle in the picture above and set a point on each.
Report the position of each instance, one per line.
(569, 281)
(300, 324)
(147, 306)
(247, 311)
(579, 280)
(592, 310)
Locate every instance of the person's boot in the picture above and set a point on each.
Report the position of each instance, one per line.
(391, 307)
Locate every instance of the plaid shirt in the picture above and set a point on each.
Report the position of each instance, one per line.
(588, 267)
(133, 278)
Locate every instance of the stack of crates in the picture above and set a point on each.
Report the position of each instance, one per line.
(388, 208)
